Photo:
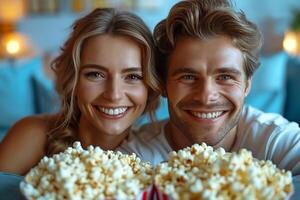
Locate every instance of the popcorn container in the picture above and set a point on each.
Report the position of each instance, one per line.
(153, 193)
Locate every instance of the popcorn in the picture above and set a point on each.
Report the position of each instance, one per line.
(196, 172)
(199, 172)
(87, 174)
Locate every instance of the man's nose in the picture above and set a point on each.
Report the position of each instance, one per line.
(113, 90)
(206, 91)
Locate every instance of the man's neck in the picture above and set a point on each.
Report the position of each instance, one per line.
(177, 140)
(228, 141)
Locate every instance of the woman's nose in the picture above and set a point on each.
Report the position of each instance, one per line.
(113, 90)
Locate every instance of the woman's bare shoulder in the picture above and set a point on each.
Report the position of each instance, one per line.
(35, 122)
(32, 128)
(24, 144)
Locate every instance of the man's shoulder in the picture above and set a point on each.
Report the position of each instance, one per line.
(269, 136)
(258, 126)
(251, 115)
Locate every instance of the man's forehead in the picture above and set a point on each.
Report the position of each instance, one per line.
(218, 51)
(197, 42)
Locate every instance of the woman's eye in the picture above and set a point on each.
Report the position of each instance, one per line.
(94, 75)
(134, 77)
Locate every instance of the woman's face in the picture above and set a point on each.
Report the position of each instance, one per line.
(111, 93)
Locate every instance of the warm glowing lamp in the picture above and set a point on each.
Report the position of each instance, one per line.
(14, 45)
(291, 43)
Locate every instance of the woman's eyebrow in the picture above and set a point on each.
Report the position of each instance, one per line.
(132, 69)
(93, 66)
(96, 66)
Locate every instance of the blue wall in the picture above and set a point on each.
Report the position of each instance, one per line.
(48, 32)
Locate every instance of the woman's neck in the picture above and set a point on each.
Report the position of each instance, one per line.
(89, 135)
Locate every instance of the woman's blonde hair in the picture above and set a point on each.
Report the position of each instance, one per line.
(66, 67)
(203, 19)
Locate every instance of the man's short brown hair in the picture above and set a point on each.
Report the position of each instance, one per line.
(203, 19)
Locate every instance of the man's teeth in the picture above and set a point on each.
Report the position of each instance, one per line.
(210, 115)
(113, 111)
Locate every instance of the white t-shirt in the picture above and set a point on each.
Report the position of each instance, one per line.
(148, 142)
(267, 136)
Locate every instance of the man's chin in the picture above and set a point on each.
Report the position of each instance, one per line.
(209, 137)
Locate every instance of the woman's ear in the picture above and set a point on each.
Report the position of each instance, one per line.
(248, 86)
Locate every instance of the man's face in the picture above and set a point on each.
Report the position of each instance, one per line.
(206, 86)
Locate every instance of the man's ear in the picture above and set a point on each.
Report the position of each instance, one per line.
(248, 86)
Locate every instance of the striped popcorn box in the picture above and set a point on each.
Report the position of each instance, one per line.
(153, 193)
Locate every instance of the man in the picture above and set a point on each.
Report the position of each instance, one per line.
(209, 53)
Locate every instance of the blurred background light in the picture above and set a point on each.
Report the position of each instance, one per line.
(291, 43)
(12, 10)
(15, 45)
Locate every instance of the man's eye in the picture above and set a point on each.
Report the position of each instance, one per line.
(225, 77)
(134, 77)
(188, 77)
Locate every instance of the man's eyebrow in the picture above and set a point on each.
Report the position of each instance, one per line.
(230, 70)
(182, 70)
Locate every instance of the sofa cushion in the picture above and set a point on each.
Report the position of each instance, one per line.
(9, 186)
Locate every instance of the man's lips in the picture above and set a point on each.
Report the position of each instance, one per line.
(206, 115)
(206, 112)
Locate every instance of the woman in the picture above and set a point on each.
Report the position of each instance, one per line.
(103, 77)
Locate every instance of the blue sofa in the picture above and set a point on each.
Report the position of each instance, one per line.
(9, 187)
(24, 90)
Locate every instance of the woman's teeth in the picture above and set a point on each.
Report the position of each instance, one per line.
(113, 111)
